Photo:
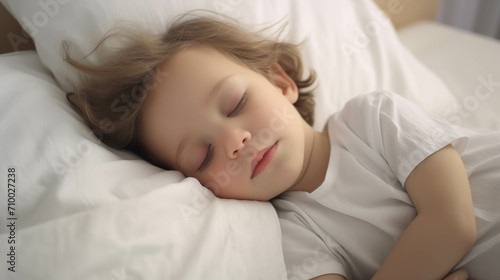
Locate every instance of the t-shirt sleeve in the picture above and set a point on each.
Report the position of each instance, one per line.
(400, 131)
(306, 254)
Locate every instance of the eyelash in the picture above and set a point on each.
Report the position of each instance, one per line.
(208, 158)
(210, 152)
(240, 105)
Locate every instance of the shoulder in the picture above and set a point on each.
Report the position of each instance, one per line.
(377, 106)
(363, 111)
(369, 119)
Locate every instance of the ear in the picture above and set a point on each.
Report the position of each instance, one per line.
(281, 80)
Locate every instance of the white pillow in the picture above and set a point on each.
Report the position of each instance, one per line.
(351, 44)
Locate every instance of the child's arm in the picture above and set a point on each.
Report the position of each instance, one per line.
(329, 277)
(444, 229)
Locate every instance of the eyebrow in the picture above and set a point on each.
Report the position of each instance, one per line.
(182, 145)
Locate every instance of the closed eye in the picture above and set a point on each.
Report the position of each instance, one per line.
(208, 158)
(239, 106)
(210, 151)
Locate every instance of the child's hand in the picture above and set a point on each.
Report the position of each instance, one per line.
(460, 274)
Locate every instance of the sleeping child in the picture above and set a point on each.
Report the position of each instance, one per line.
(385, 191)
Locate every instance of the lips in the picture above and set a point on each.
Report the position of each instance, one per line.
(262, 159)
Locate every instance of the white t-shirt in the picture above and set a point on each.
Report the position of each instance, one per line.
(351, 222)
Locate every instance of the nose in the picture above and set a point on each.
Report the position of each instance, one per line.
(234, 141)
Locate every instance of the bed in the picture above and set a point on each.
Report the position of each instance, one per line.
(81, 210)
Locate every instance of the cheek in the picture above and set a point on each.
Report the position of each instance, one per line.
(276, 121)
(263, 126)
(223, 176)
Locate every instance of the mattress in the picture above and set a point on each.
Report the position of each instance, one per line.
(468, 63)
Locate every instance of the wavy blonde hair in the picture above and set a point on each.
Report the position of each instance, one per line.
(124, 75)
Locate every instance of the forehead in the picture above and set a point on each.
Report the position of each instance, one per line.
(175, 104)
(191, 71)
(186, 79)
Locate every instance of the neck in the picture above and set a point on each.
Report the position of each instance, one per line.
(316, 158)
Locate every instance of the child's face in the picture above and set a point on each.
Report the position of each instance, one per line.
(213, 119)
